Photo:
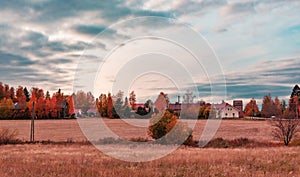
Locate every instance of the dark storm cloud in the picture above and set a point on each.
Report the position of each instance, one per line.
(7, 59)
(275, 77)
(89, 29)
(271, 77)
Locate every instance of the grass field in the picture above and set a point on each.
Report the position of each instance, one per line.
(62, 130)
(85, 160)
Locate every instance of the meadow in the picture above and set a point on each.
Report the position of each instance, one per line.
(63, 130)
(76, 159)
(85, 160)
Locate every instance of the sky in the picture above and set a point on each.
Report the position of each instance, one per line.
(48, 43)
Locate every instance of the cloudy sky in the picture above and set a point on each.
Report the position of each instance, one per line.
(257, 42)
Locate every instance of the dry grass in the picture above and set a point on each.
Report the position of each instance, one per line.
(63, 130)
(85, 160)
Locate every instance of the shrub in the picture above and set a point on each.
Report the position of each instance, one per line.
(237, 143)
(295, 142)
(8, 137)
(166, 129)
(139, 139)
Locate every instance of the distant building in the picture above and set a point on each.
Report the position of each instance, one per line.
(92, 112)
(137, 105)
(175, 107)
(239, 105)
(225, 110)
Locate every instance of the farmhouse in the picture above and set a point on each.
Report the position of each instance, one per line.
(225, 110)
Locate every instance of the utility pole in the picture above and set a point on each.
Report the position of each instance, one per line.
(32, 124)
(296, 102)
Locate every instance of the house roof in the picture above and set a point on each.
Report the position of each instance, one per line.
(220, 106)
(224, 105)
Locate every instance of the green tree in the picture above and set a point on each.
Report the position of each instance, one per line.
(27, 94)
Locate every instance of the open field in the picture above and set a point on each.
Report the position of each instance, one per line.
(62, 130)
(85, 160)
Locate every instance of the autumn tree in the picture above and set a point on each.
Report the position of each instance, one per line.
(294, 102)
(132, 100)
(268, 107)
(21, 99)
(57, 104)
(118, 104)
(204, 110)
(53, 107)
(40, 104)
(47, 96)
(32, 102)
(6, 91)
(109, 106)
(162, 102)
(2, 95)
(189, 108)
(101, 104)
(126, 108)
(6, 108)
(278, 108)
(190, 111)
(48, 107)
(104, 105)
(84, 101)
(70, 106)
(251, 108)
(166, 129)
(287, 126)
(12, 95)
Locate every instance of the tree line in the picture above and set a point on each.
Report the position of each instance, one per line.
(275, 107)
(18, 104)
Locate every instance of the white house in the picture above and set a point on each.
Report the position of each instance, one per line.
(225, 110)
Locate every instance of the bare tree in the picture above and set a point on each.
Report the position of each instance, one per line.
(285, 129)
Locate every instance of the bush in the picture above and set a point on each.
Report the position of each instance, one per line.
(295, 142)
(166, 129)
(139, 139)
(237, 143)
(8, 137)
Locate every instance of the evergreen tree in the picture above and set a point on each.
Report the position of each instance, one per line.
(26, 93)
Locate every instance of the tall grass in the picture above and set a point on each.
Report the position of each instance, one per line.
(8, 136)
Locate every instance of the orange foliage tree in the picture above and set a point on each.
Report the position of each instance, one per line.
(161, 102)
(251, 108)
(166, 128)
(109, 106)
